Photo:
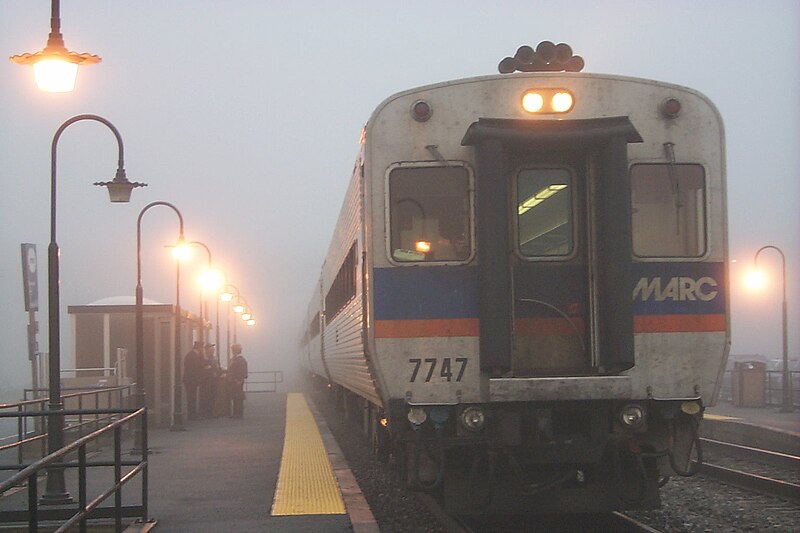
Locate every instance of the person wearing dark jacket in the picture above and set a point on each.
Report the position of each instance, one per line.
(237, 373)
(208, 381)
(193, 363)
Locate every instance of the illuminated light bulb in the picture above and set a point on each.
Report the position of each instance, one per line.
(212, 280)
(532, 102)
(55, 75)
(423, 247)
(756, 279)
(182, 252)
(562, 102)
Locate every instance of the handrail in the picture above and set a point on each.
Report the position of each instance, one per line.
(30, 472)
(272, 384)
(26, 435)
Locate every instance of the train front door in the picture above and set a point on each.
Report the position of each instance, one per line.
(554, 248)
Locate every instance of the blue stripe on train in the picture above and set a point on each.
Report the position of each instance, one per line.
(442, 292)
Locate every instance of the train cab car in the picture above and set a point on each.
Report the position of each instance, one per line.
(526, 289)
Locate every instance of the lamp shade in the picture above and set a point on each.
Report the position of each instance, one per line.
(55, 75)
(119, 189)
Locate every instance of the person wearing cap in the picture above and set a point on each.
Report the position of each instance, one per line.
(193, 363)
(237, 373)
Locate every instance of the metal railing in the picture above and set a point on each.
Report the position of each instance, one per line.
(263, 381)
(86, 510)
(29, 434)
(772, 387)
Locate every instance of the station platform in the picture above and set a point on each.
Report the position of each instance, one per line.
(278, 469)
(762, 427)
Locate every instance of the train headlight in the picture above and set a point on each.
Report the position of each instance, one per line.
(417, 416)
(547, 101)
(562, 102)
(532, 102)
(632, 416)
(473, 418)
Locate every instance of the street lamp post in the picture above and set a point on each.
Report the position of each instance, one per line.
(787, 404)
(203, 312)
(119, 190)
(177, 408)
(239, 308)
(140, 391)
(227, 296)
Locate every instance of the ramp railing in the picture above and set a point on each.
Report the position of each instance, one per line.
(263, 381)
(70, 515)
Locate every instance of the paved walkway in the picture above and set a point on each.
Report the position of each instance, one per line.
(759, 416)
(220, 475)
(760, 427)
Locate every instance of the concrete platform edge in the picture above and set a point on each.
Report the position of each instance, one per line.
(361, 517)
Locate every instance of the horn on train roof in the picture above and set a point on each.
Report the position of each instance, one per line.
(548, 57)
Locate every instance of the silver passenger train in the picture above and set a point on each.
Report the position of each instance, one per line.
(525, 298)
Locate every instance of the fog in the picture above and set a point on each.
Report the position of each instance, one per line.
(246, 116)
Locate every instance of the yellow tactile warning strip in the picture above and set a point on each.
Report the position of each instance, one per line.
(719, 417)
(306, 484)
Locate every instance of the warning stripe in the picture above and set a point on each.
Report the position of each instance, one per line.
(306, 483)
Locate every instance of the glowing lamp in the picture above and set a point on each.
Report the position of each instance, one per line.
(212, 280)
(226, 296)
(562, 102)
(246, 316)
(55, 75)
(547, 101)
(182, 251)
(423, 247)
(238, 309)
(55, 67)
(756, 279)
(532, 102)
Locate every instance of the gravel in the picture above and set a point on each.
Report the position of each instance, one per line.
(689, 505)
(700, 504)
(396, 509)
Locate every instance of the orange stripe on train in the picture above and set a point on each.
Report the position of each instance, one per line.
(470, 327)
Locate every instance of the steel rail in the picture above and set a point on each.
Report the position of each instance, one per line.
(783, 460)
(754, 482)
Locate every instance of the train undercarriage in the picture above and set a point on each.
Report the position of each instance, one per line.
(545, 457)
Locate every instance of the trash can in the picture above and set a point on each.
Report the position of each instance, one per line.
(749, 378)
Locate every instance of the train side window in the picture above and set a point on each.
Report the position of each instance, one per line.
(343, 288)
(544, 212)
(668, 210)
(429, 214)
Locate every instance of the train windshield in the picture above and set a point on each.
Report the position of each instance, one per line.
(668, 210)
(430, 214)
(544, 212)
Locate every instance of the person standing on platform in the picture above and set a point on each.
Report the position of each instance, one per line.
(237, 373)
(193, 363)
(207, 382)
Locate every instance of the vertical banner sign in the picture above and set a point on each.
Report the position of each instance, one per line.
(30, 283)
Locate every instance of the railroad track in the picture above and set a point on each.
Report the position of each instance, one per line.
(751, 480)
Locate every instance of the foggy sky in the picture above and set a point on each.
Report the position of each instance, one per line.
(246, 115)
